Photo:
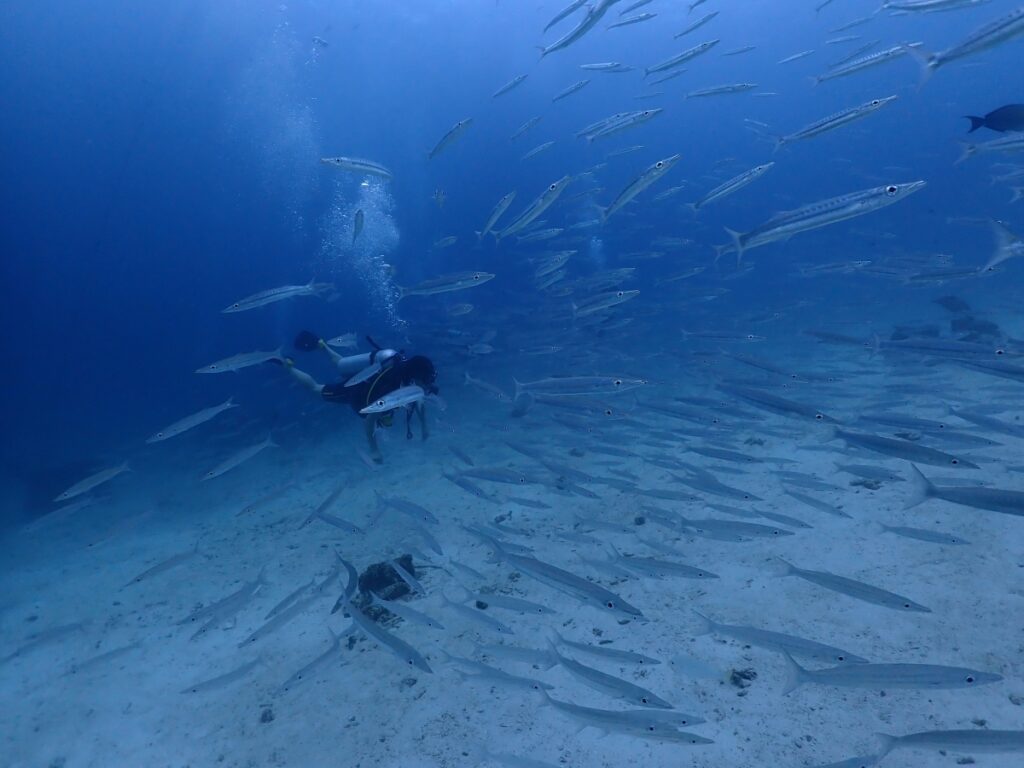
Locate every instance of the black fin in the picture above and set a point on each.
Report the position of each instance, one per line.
(976, 122)
(306, 341)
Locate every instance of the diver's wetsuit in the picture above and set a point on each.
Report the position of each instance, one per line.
(396, 371)
(417, 370)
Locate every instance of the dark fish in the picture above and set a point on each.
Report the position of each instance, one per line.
(1008, 118)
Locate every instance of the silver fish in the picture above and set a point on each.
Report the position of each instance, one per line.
(784, 225)
(572, 386)
(190, 422)
(640, 183)
(606, 652)
(696, 25)
(537, 150)
(720, 90)
(681, 58)
(457, 281)
(496, 214)
(902, 449)
(594, 15)
(570, 90)
(965, 741)
(923, 534)
(629, 20)
(734, 184)
(398, 647)
(399, 398)
(509, 86)
(165, 565)
(855, 589)
(86, 485)
(874, 59)
(583, 590)
(544, 201)
(609, 685)
(224, 680)
(836, 120)
(989, 36)
(240, 361)
(239, 458)
(885, 676)
(640, 723)
(406, 612)
(524, 128)
(357, 165)
(453, 133)
(992, 499)
(779, 641)
(333, 653)
(274, 295)
(357, 225)
(568, 10)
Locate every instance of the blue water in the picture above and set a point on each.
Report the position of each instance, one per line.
(161, 160)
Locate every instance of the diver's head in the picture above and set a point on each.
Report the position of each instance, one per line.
(421, 370)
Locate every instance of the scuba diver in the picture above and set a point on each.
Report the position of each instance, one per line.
(377, 384)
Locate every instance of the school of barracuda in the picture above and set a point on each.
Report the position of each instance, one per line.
(571, 565)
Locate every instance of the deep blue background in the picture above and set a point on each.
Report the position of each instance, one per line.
(160, 160)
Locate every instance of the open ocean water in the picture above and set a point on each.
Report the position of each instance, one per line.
(512, 382)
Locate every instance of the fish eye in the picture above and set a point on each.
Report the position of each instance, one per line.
(617, 382)
(643, 699)
(607, 411)
(840, 658)
(891, 190)
(875, 102)
(647, 112)
(619, 293)
(1000, 351)
(659, 164)
(553, 187)
(610, 604)
(906, 605)
(380, 402)
(235, 304)
(818, 416)
(970, 678)
(955, 461)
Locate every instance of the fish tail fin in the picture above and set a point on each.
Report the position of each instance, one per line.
(519, 387)
(922, 488)
(976, 122)
(780, 141)
(694, 208)
(888, 742)
(230, 403)
(706, 626)
(966, 150)
(784, 567)
(926, 61)
(270, 441)
(795, 675)
(737, 242)
(479, 236)
(1018, 193)
(402, 292)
